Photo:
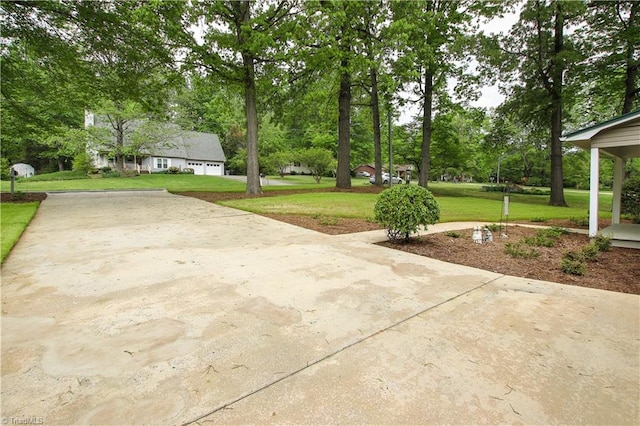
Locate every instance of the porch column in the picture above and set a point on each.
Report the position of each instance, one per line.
(618, 174)
(594, 183)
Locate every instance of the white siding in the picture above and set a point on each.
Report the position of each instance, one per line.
(618, 136)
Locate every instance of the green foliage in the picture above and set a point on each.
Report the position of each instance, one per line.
(540, 241)
(402, 209)
(630, 203)
(494, 227)
(5, 169)
(602, 243)
(238, 163)
(173, 170)
(568, 265)
(518, 250)
(318, 160)
(574, 263)
(553, 232)
(82, 163)
(452, 234)
(64, 175)
(579, 221)
(589, 252)
(277, 162)
(538, 219)
(327, 220)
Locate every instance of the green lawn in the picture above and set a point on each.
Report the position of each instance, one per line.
(457, 203)
(337, 204)
(14, 218)
(172, 183)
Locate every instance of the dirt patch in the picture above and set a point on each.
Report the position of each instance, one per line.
(22, 197)
(615, 270)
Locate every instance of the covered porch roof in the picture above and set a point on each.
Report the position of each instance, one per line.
(620, 139)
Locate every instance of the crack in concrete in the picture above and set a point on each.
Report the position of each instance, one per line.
(336, 352)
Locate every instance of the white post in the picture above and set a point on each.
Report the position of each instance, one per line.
(618, 174)
(594, 190)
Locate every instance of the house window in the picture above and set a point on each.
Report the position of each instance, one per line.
(162, 163)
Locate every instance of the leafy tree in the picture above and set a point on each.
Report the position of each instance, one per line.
(436, 40)
(610, 74)
(238, 36)
(327, 39)
(277, 162)
(205, 104)
(538, 55)
(238, 163)
(90, 52)
(318, 160)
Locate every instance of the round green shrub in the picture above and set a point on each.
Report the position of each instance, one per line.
(402, 209)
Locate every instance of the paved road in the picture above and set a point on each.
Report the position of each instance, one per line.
(147, 307)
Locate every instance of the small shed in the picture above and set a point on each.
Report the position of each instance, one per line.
(24, 170)
(618, 138)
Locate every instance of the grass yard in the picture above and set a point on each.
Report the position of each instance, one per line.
(337, 204)
(172, 183)
(457, 203)
(14, 218)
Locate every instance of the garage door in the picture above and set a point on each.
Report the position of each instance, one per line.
(213, 169)
(198, 167)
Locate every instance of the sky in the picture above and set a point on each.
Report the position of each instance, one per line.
(490, 96)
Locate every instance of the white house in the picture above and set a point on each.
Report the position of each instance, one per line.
(24, 170)
(618, 138)
(297, 168)
(201, 152)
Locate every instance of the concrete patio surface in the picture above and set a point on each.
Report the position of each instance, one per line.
(151, 308)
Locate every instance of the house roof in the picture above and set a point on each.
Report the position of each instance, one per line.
(193, 146)
(619, 136)
(184, 144)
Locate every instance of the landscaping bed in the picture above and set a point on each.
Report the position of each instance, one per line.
(617, 269)
(22, 197)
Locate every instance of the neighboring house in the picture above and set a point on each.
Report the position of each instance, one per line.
(297, 168)
(23, 170)
(405, 171)
(201, 152)
(619, 139)
(369, 168)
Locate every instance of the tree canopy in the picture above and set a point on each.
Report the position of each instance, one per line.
(278, 78)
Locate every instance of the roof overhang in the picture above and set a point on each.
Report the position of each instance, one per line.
(595, 137)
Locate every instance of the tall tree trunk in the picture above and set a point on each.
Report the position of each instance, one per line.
(425, 155)
(557, 184)
(377, 139)
(631, 91)
(119, 128)
(343, 179)
(253, 168)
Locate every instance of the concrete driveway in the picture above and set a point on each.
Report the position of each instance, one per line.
(146, 307)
